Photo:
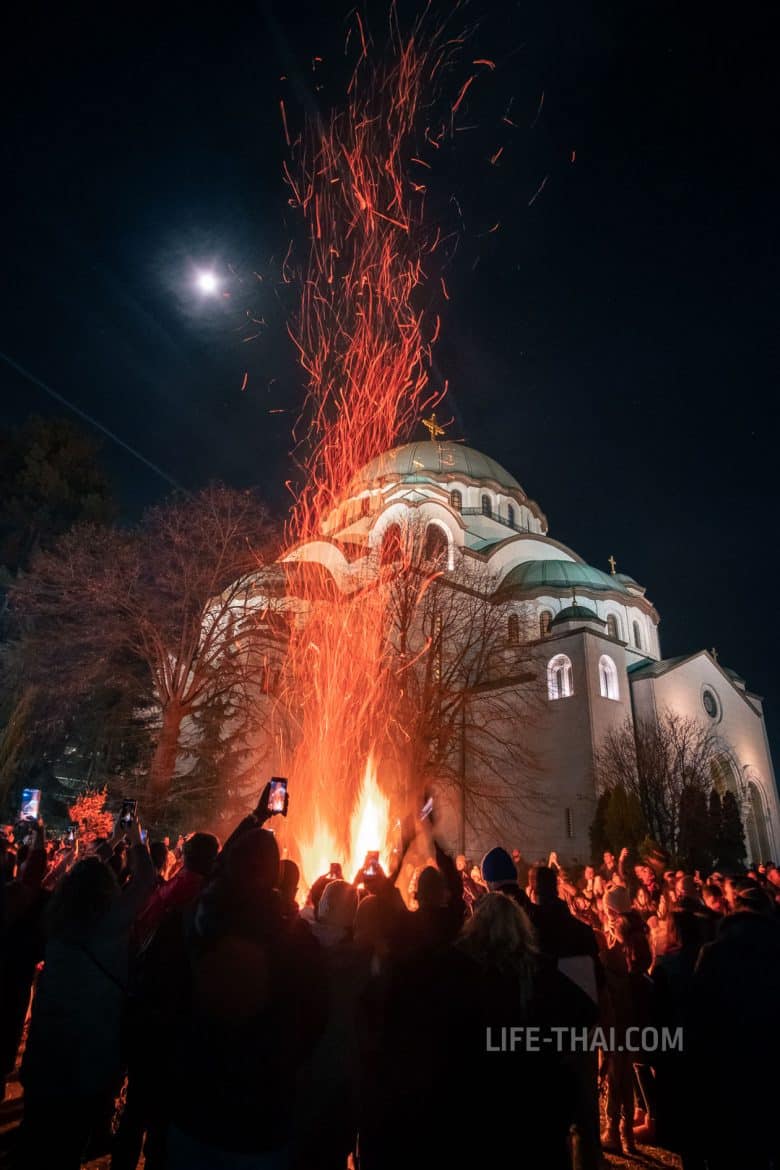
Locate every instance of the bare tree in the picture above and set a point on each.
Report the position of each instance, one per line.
(177, 595)
(659, 762)
(467, 691)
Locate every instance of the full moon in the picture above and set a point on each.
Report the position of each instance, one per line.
(207, 282)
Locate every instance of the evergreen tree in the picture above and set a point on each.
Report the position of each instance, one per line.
(599, 842)
(623, 821)
(696, 843)
(731, 837)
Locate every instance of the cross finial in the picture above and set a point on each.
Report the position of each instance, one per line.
(714, 653)
(433, 427)
(612, 565)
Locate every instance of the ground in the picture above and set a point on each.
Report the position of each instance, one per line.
(647, 1158)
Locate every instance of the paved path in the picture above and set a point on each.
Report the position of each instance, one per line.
(647, 1158)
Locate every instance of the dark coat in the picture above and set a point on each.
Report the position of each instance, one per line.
(732, 1029)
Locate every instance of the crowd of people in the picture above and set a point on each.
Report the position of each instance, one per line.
(180, 1002)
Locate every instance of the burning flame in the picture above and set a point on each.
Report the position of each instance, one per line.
(369, 830)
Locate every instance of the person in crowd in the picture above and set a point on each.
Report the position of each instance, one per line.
(626, 961)
(500, 877)
(199, 855)
(732, 1022)
(248, 1011)
(571, 946)
(672, 976)
(472, 890)
(24, 901)
(73, 1061)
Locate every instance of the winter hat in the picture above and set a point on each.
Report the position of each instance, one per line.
(497, 867)
(617, 901)
(338, 905)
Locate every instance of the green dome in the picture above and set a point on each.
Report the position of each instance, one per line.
(577, 613)
(415, 461)
(560, 575)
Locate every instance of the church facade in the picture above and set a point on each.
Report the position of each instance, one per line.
(595, 634)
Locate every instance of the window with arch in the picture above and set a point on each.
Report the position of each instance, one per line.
(456, 500)
(613, 629)
(758, 837)
(608, 678)
(487, 507)
(392, 545)
(436, 546)
(510, 516)
(545, 621)
(637, 635)
(513, 630)
(723, 775)
(559, 677)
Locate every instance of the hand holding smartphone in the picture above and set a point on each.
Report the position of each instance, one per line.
(277, 795)
(129, 813)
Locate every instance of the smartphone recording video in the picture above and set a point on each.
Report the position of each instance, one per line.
(129, 812)
(278, 795)
(31, 803)
(371, 864)
(426, 809)
(72, 833)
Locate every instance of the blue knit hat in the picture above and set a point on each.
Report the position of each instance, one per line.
(498, 867)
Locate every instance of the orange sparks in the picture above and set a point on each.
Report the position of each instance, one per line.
(245, 381)
(463, 92)
(364, 338)
(495, 157)
(484, 61)
(284, 121)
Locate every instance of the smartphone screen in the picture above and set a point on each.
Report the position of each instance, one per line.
(129, 811)
(31, 803)
(72, 831)
(426, 809)
(371, 866)
(276, 797)
(144, 835)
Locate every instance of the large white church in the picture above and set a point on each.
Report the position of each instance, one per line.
(600, 659)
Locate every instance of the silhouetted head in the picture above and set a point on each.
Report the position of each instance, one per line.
(82, 899)
(431, 890)
(289, 876)
(199, 853)
(252, 863)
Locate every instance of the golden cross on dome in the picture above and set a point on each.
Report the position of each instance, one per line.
(433, 428)
(612, 565)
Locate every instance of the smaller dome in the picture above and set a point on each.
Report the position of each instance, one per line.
(577, 613)
(556, 574)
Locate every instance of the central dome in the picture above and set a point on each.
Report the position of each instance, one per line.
(415, 461)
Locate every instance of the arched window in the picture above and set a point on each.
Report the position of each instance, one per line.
(608, 678)
(436, 546)
(513, 629)
(637, 636)
(487, 508)
(723, 776)
(758, 838)
(510, 516)
(456, 501)
(545, 621)
(391, 545)
(613, 630)
(559, 677)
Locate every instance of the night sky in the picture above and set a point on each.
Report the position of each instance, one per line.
(613, 344)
